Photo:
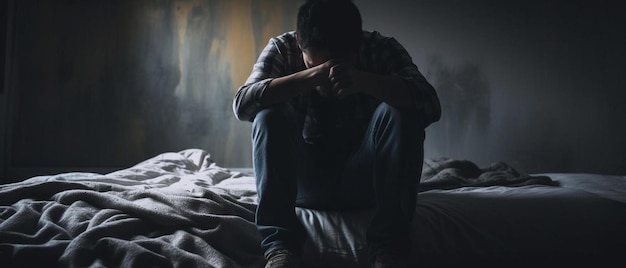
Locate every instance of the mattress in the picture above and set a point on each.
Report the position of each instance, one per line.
(581, 221)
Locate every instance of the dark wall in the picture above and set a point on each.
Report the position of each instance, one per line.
(106, 84)
(538, 84)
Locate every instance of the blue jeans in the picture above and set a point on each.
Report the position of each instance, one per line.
(383, 173)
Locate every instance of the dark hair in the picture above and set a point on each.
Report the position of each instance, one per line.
(331, 25)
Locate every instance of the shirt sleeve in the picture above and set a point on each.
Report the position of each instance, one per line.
(269, 65)
(397, 61)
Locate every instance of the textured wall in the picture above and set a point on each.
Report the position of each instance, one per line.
(538, 84)
(110, 83)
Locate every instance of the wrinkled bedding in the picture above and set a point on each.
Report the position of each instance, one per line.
(174, 210)
(181, 209)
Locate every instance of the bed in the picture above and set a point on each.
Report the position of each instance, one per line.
(182, 209)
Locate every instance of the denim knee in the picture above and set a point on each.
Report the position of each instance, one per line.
(276, 117)
(389, 118)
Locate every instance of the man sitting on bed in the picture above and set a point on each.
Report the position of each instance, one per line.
(338, 123)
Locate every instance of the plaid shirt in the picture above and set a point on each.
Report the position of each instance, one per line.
(377, 54)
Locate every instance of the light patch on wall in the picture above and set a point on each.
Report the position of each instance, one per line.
(242, 49)
(274, 20)
(239, 52)
(465, 97)
(181, 14)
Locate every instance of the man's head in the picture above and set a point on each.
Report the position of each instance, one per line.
(328, 29)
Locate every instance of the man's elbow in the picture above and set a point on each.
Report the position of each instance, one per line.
(240, 113)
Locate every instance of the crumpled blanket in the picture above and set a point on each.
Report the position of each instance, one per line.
(446, 173)
(174, 210)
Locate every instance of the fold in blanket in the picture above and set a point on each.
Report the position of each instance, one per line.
(446, 173)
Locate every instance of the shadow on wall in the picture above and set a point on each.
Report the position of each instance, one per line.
(465, 102)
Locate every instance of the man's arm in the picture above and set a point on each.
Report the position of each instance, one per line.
(391, 76)
(398, 63)
(282, 89)
(273, 63)
(390, 89)
(272, 80)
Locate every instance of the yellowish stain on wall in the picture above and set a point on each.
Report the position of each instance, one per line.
(276, 20)
(242, 49)
(238, 47)
(239, 51)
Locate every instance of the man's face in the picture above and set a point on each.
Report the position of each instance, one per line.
(314, 57)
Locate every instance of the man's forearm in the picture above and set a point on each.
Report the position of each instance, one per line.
(392, 90)
(282, 89)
